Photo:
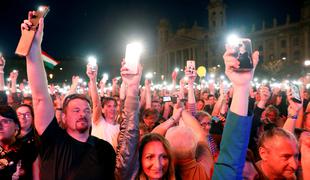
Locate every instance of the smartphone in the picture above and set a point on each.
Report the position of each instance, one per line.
(172, 99)
(295, 93)
(27, 36)
(190, 64)
(243, 52)
(132, 57)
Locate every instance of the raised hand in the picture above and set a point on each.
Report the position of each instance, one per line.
(191, 75)
(91, 72)
(231, 63)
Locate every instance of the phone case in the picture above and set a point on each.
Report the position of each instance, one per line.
(295, 93)
(27, 36)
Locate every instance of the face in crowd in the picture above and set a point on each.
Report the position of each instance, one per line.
(150, 117)
(109, 109)
(205, 121)
(156, 105)
(200, 105)
(8, 130)
(77, 115)
(156, 162)
(280, 157)
(25, 117)
(9, 126)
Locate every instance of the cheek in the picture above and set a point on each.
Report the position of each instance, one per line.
(165, 165)
(146, 165)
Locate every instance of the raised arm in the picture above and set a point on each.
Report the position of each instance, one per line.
(148, 95)
(292, 113)
(191, 75)
(92, 75)
(127, 156)
(74, 85)
(237, 129)
(42, 102)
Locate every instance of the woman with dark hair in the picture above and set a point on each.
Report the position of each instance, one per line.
(27, 135)
(155, 158)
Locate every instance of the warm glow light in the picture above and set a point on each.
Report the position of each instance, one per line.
(149, 75)
(105, 76)
(307, 63)
(233, 39)
(92, 60)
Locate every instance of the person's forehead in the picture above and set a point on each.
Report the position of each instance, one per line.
(281, 145)
(23, 109)
(206, 119)
(153, 146)
(78, 102)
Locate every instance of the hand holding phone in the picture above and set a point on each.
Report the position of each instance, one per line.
(27, 36)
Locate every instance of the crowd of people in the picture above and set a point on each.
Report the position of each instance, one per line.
(132, 133)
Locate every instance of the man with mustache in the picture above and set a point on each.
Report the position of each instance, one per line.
(70, 153)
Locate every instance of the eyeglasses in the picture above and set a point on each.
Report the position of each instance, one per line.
(205, 124)
(26, 115)
(6, 122)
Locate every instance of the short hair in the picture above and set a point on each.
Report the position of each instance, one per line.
(275, 132)
(8, 112)
(202, 114)
(72, 97)
(272, 108)
(150, 112)
(151, 137)
(184, 147)
(28, 106)
(105, 101)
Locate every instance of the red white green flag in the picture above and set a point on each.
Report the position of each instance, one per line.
(48, 60)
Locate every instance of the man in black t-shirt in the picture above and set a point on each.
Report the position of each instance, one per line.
(71, 153)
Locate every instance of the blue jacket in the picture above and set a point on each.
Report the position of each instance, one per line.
(234, 145)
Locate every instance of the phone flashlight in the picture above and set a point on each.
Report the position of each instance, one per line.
(132, 57)
(148, 76)
(105, 76)
(92, 61)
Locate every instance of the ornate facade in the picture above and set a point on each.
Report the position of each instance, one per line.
(288, 42)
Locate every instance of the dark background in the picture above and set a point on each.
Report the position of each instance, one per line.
(76, 29)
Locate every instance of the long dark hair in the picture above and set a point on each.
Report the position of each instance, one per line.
(169, 175)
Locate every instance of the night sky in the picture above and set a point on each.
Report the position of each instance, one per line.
(103, 28)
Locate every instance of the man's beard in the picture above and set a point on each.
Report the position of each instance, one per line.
(82, 125)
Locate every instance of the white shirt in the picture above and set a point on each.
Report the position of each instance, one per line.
(106, 131)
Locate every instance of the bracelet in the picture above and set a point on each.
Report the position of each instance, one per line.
(292, 116)
(58, 109)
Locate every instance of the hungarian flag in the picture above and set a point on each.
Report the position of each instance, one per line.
(48, 60)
